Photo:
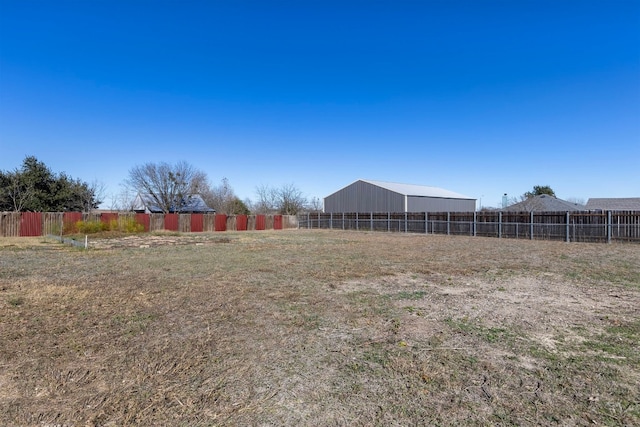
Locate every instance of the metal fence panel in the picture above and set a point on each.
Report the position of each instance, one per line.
(197, 222)
(261, 223)
(171, 222)
(70, 222)
(107, 217)
(221, 222)
(277, 222)
(241, 222)
(30, 224)
(144, 219)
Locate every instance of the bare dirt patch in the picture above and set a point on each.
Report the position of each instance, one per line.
(109, 240)
(319, 328)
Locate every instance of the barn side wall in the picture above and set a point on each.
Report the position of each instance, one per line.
(364, 197)
(436, 204)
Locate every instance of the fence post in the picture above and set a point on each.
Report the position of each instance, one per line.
(331, 221)
(357, 222)
(567, 226)
(448, 223)
(499, 224)
(342, 220)
(531, 227)
(405, 222)
(371, 221)
(388, 221)
(609, 226)
(475, 218)
(426, 223)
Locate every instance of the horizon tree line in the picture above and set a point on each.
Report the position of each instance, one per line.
(35, 187)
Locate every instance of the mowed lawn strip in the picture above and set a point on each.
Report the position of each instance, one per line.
(301, 327)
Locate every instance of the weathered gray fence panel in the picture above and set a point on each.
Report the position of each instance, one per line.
(620, 226)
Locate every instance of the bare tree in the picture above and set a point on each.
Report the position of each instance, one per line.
(124, 201)
(290, 199)
(199, 183)
(222, 197)
(14, 191)
(113, 202)
(168, 186)
(286, 200)
(315, 204)
(92, 195)
(267, 200)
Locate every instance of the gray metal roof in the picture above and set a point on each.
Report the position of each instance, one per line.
(544, 203)
(193, 203)
(417, 190)
(614, 204)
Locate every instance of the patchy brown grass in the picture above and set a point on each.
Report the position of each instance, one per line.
(22, 242)
(319, 328)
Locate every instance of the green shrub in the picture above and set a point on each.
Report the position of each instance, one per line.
(130, 225)
(69, 227)
(124, 224)
(90, 227)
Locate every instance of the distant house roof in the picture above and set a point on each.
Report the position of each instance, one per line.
(191, 204)
(544, 203)
(417, 190)
(614, 204)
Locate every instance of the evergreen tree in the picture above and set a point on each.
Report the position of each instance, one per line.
(539, 190)
(34, 187)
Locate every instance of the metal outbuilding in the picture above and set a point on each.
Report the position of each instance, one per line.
(379, 196)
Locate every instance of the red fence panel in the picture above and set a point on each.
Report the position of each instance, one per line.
(197, 223)
(171, 222)
(277, 222)
(221, 222)
(69, 220)
(261, 222)
(107, 217)
(144, 219)
(241, 222)
(30, 224)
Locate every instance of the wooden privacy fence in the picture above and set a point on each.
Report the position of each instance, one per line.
(14, 224)
(620, 226)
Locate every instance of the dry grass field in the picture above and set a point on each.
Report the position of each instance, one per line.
(318, 328)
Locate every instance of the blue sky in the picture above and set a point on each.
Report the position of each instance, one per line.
(478, 97)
